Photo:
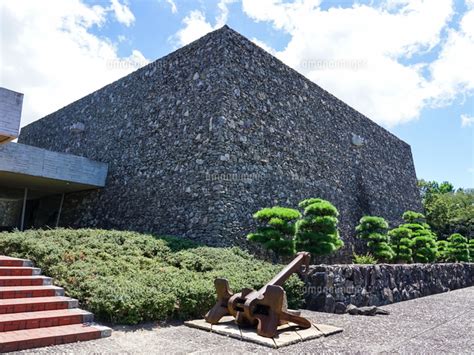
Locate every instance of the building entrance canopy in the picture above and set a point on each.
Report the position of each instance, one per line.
(28, 172)
(45, 172)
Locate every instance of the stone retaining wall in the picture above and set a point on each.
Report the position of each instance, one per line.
(330, 288)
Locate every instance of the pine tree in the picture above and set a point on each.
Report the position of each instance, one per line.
(443, 250)
(423, 240)
(414, 217)
(471, 250)
(458, 248)
(400, 241)
(317, 231)
(277, 229)
(374, 230)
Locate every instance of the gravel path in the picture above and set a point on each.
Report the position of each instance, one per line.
(442, 323)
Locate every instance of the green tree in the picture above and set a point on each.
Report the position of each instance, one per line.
(423, 240)
(374, 230)
(400, 240)
(424, 247)
(317, 231)
(277, 229)
(458, 248)
(431, 188)
(450, 213)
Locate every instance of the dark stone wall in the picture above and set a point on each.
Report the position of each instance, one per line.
(332, 287)
(199, 140)
(10, 213)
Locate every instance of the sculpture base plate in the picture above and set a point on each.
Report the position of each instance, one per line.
(287, 334)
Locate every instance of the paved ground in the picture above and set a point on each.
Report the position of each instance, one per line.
(443, 323)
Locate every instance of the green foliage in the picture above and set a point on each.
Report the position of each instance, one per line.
(373, 230)
(423, 240)
(400, 240)
(278, 229)
(413, 217)
(285, 232)
(364, 259)
(443, 250)
(287, 214)
(317, 231)
(471, 250)
(423, 244)
(424, 248)
(314, 207)
(450, 213)
(430, 188)
(127, 277)
(309, 201)
(458, 248)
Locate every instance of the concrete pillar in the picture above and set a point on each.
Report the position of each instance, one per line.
(60, 209)
(23, 210)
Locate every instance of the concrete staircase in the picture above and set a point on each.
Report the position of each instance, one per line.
(34, 313)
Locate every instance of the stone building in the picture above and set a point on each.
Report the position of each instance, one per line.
(200, 139)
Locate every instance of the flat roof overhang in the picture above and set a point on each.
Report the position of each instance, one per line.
(44, 172)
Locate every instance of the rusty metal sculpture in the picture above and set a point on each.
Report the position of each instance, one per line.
(265, 308)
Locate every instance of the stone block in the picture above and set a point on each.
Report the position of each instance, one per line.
(327, 329)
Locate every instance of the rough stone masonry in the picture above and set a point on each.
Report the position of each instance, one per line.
(331, 288)
(200, 139)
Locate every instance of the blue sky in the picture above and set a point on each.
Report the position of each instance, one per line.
(414, 70)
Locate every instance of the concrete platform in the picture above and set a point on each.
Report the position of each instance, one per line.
(288, 334)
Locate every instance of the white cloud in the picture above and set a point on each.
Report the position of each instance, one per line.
(51, 56)
(172, 4)
(222, 17)
(122, 12)
(359, 53)
(467, 121)
(453, 71)
(264, 45)
(372, 57)
(196, 24)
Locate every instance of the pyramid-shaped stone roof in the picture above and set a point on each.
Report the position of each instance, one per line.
(200, 139)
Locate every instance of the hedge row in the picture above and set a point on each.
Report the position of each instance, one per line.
(127, 277)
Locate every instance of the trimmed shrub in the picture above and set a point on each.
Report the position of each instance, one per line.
(443, 250)
(127, 277)
(364, 259)
(317, 231)
(458, 248)
(373, 230)
(278, 230)
(413, 217)
(423, 240)
(400, 241)
(471, 250)
(424, 248)
(309, 201)
(285, 232)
